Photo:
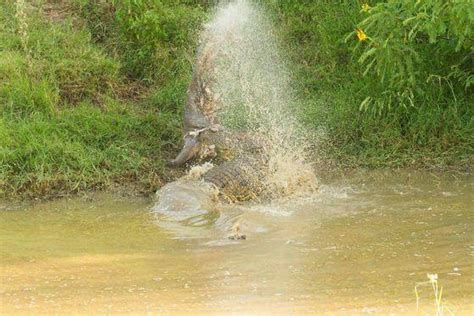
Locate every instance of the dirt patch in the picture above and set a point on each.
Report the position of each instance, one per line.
(58, 11)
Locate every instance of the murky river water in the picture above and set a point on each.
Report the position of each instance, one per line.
(359, 246)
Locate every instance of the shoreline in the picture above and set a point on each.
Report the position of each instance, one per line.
(137, 189)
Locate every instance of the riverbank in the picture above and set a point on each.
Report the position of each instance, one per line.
(91, 94)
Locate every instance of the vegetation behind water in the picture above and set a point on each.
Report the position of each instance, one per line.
(92, 91)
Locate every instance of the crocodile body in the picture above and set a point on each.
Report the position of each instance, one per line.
(240, 179)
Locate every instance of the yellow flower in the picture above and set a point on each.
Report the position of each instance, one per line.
(365, 7)
(361, 35)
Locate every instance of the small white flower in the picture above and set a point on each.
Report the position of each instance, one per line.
(432, 277)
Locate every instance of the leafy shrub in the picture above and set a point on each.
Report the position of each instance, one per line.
(416, 50)
(433, 76)
(156, 38)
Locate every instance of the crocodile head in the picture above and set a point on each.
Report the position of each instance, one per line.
(199, 112)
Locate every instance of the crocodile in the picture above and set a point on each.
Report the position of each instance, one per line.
(242, 162)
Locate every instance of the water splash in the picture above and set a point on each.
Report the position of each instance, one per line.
(184, 199)
(246, 87)
(253, 86)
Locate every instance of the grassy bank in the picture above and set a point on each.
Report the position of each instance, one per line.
(83, 103)
(91, 91)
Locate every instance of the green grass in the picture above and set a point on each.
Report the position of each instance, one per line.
(84, 148)
(93, 96)
(424, 137)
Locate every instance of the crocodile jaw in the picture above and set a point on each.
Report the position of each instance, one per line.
(191, 147)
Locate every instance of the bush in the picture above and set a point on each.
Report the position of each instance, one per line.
(416, 50)
(156, 39)
(416, 96)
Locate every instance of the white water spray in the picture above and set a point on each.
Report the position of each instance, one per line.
(254, 90)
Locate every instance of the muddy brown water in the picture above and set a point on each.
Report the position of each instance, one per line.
(359, 246)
